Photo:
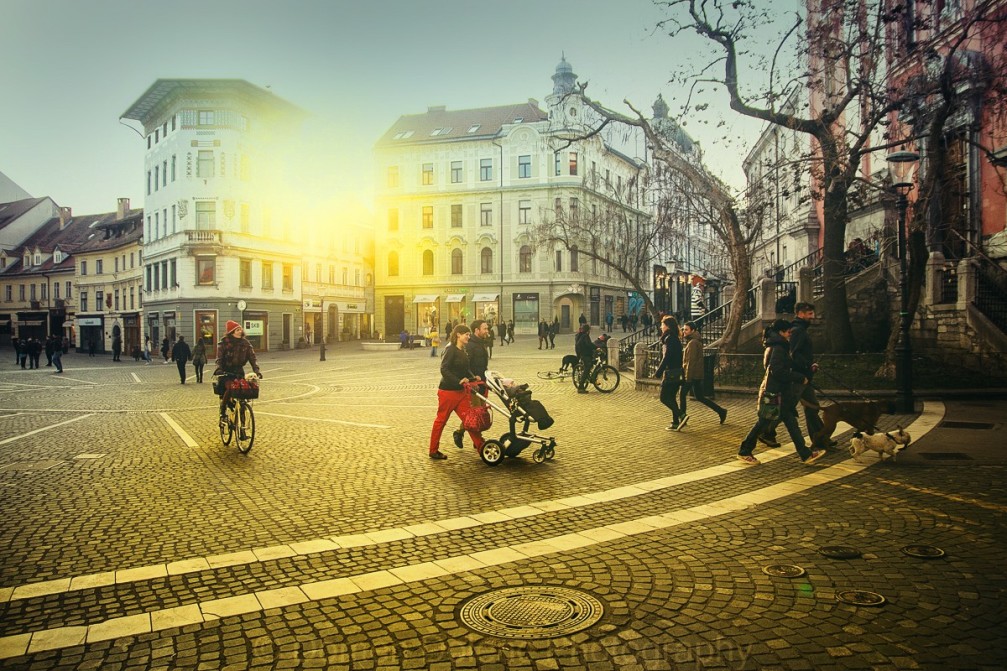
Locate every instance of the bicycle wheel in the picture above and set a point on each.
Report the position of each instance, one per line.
(226, 427)
(245, 430)
(552, 374)
(605, 379)
(575, 374)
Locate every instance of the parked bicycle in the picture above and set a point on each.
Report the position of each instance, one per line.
(239, 419)
(603, 376)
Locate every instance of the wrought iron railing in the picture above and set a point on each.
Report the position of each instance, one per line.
(627, 345)
(991, 293)
(714, 323)
(948, 281)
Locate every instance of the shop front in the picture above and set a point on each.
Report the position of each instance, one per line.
(130, 332)
(456, 308)
(6, 332)
(312, 314)
(427, 311)
(206, 330)
(526, 313)
(32, 325)
(350, 316)
(595, 304)
(486, 306)
(92, 333)
(169, 319)
(154, 330)
(256, 327)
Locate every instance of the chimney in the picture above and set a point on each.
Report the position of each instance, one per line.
(122, 209)
(65, 214)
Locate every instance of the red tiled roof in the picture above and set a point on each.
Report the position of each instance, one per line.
(11, 211)
(455, 124)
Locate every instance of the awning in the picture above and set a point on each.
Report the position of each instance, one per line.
(484, 298)
(426, 298)
(68, 324)
(455, 298)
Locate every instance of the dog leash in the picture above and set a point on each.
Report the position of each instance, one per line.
(842, 384)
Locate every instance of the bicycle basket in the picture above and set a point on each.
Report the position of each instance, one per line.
(248, 389)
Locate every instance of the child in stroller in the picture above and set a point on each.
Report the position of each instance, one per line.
(514, 402)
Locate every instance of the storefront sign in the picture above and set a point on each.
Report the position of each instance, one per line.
(89, 321)
(153, 316)
(169, 315)
(358, 308)
(254, 327)
(311, 305)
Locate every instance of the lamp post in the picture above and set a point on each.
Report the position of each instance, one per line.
(902, 165)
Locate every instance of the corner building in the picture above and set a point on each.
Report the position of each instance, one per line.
(459, 195)
(218, 238)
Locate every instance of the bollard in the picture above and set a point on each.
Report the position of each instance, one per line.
(321, 352)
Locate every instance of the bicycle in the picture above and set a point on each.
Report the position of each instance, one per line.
(555, 374)
(603, 376)
(239, 418)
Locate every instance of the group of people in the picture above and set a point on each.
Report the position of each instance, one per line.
(28, 351)
(681, 370)
(465, 360)
(547, 333)
(629, 321)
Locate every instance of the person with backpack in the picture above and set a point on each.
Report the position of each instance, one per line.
(199, 359)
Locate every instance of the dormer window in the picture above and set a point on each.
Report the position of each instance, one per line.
(27, 260)
(57, 256)
(38, 259)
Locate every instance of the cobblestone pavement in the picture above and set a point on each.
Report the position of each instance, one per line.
(133, 539)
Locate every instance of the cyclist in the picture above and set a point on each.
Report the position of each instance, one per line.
(233, 352)
(585, 350)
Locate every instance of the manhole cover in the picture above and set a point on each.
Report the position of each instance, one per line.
(531, 612)
(858, 597)
(923, 551)
(949, 424)
(839, 552)
(783, 571)
(945, 456)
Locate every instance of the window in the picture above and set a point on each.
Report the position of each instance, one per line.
(57, 257)
(473, 128)
(524, 167)
(346, 276)
(332, 274)
(456, 216)
(173, 160)
(157, 225)
(267, 275)
(20, 292)
(98, 267)
(116, 302)
(32, 287)
(428, 262)
(157, 135)
(574, 260)
(132, 295)
(44, 291)
(99, 300)
(157, 276)
(486, 214)
(69, 287)
(205, 271)
(356, 277)
(205, 117)
(393, 176)
(486, 261)
(559, 260)
(132, 260)
(524, 212)
(164, 217)
(393, 264)
(524, 259)
(574, 208)
(558, 206)
(428, 174)
(149, 276)
(204, 166)
(164, 173)
(573, 163)
(456, 262)
(393, 220)
(206, 215)
(164, 275)
(117, 264)
(157, 179)
(485, 169)
(38, 260)
(428, 216)
(148, 182)
(55, 290)
(9, 293)
(558, 164)
(245, 218)
(318, 273)
(288, 277)
(456, 172)
(83, 301)
(245, 273)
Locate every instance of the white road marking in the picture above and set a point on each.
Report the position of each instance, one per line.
(135, 377)
(74, 379)
(186, 438)
(328, 421)
(45, 428)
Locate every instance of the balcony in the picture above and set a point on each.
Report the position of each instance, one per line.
(203, 242)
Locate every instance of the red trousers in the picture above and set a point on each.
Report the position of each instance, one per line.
(448, 402)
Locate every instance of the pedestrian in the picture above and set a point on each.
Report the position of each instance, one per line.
(66, 345)
(624, 320)
(57, 360)
(48, 350)
(479, 361)
(503, 333)
(36, 352)
(199, 359)
(435, 340)
(671, 370)
(648, 321)
(780, 381)
(543, 334)
(22, 351)
(692, 369)
(585, 351)
(180, 354)
(582, 320)
(452, 396)
(490, 339)
(90, 347)
(403, 339)
(632, 321)
(116, 348)
(165, 348)
(147, 347)
(553, 330)
(609, 319)
(510, 331)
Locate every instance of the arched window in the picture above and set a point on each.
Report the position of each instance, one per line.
(456, 262)
(393, 264)
(486, 261)
(428, 262)
(524, 260)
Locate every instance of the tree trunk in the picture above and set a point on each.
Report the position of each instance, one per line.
(835, 214)
(741, 267)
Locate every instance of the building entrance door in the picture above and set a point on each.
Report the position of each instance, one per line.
(395, 317)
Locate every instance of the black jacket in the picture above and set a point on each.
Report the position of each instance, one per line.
(671, 355)
(479, 358)
(780, 374)
(801, 349)
(583, 346)
(181, 351)
(454, 367)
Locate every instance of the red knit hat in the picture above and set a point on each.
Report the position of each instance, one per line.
(230, 326)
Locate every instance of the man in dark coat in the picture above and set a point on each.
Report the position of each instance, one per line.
(48, 351)
(116, 348)
(585, 349)
(802, 351)
(180, 354)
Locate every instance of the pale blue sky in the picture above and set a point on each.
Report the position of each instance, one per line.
(71, 67)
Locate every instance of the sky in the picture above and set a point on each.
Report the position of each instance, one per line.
(70, 68)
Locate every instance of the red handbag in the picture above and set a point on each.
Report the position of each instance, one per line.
(477, 419)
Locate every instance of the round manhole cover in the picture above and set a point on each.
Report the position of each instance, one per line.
(859, 597)
(783, 570)
(923, 551)
(839, 552)
(531, 612)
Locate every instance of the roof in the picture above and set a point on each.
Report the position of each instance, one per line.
(467, 124)
(129, 229)
(163, 91)
(11, 211)
(78, 230)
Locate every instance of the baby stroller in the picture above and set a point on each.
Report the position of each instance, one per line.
(514, 402)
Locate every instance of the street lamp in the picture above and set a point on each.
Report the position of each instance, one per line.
(903, 165)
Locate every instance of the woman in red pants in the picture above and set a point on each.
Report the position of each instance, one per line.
(451, 395)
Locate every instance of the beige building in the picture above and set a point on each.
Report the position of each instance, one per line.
(459, 196)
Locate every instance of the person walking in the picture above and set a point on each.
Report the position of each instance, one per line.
(585, 350)
(180, 354)
(199, 359)
(670, 372)
(609, 320)
(543, 333)
(510, 331)
(36, 352)
(490, 339)
(692, 369)
(479, 361)
(624, 320)
(116, 348)
(553, 330)
(503, 333)
(57, 360)
(435, 341)
(452, 396)
(48, 350)
(780, 379)
(165, 348)
(22, 351)
(90, 347)
(147, 349)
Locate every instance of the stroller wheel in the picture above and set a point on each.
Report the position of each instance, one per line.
(492, 452)
(538, 456)
(550, 452)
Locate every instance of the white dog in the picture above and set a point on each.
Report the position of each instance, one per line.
(883, 443)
